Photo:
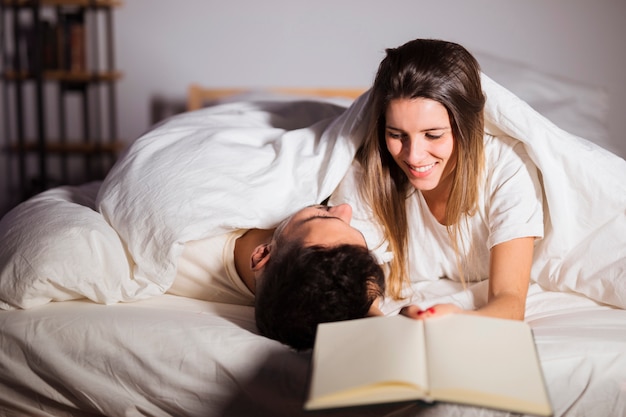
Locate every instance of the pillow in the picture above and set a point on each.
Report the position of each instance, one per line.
(56, 247)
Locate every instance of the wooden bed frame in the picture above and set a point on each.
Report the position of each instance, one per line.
(198, 95)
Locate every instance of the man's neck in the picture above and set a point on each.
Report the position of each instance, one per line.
(244, 246)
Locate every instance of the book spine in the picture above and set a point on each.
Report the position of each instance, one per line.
(50, 47)
(74, 39)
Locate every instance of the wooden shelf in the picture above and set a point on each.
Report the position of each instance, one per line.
(72, 147)
(82, 3)
(73, 77)
(53, 49)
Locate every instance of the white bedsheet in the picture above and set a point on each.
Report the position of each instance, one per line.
(171, 356)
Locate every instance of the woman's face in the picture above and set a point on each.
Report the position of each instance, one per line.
(419, 138)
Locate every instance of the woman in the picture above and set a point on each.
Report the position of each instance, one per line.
(451, 201)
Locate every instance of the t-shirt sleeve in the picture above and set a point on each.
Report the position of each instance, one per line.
(514, 193)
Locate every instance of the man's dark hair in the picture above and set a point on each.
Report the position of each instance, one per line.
(302, 287)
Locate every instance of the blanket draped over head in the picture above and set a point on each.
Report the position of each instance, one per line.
(250, 164)
(583, 249)
(233, 166)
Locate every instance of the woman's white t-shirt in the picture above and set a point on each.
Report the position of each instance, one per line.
(509, 207)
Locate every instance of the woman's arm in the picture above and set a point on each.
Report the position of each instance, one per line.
(509, 277)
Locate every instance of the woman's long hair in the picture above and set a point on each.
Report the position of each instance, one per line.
(444, 72)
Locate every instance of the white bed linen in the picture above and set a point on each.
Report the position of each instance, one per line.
(583, 248)
(251, 164)
(56, 246)
(578, 108)
(232, 166)
(172, 356)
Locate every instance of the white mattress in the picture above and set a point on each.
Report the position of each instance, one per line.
(172, 356)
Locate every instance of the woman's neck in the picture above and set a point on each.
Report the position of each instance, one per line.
(437, 201)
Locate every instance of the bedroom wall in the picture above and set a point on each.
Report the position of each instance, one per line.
(163, 45)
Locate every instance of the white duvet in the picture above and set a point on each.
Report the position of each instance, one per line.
(239, 165)
(251, 164)
(197, 175)
(584, 246)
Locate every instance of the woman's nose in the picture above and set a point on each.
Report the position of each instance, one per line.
(415, 149)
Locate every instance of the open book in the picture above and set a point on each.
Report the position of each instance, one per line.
(458, 358)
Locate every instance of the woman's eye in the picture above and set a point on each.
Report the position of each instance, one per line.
(433, 136)
(393, 135)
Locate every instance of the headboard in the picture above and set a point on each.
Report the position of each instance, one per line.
(198, 95)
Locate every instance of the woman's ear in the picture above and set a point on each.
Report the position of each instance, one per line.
(260, 256)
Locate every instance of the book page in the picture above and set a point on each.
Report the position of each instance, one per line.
(486, 362)
(365, 361)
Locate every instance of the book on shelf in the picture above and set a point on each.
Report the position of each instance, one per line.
(465, 359)
(73, 39)
(61, 44)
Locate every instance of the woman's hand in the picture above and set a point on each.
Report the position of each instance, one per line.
(438, 310)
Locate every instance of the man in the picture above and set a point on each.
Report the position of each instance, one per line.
(313, 268)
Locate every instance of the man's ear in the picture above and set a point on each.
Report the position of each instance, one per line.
(374, 309)
(260, 255)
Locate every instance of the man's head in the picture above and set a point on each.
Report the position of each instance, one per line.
(316, 269)
(312, 225)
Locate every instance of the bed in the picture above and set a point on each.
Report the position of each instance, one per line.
(87, 327)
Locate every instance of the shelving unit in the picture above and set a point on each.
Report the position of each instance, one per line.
(58, 76)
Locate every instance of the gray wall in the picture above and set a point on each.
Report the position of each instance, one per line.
(164, 45)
